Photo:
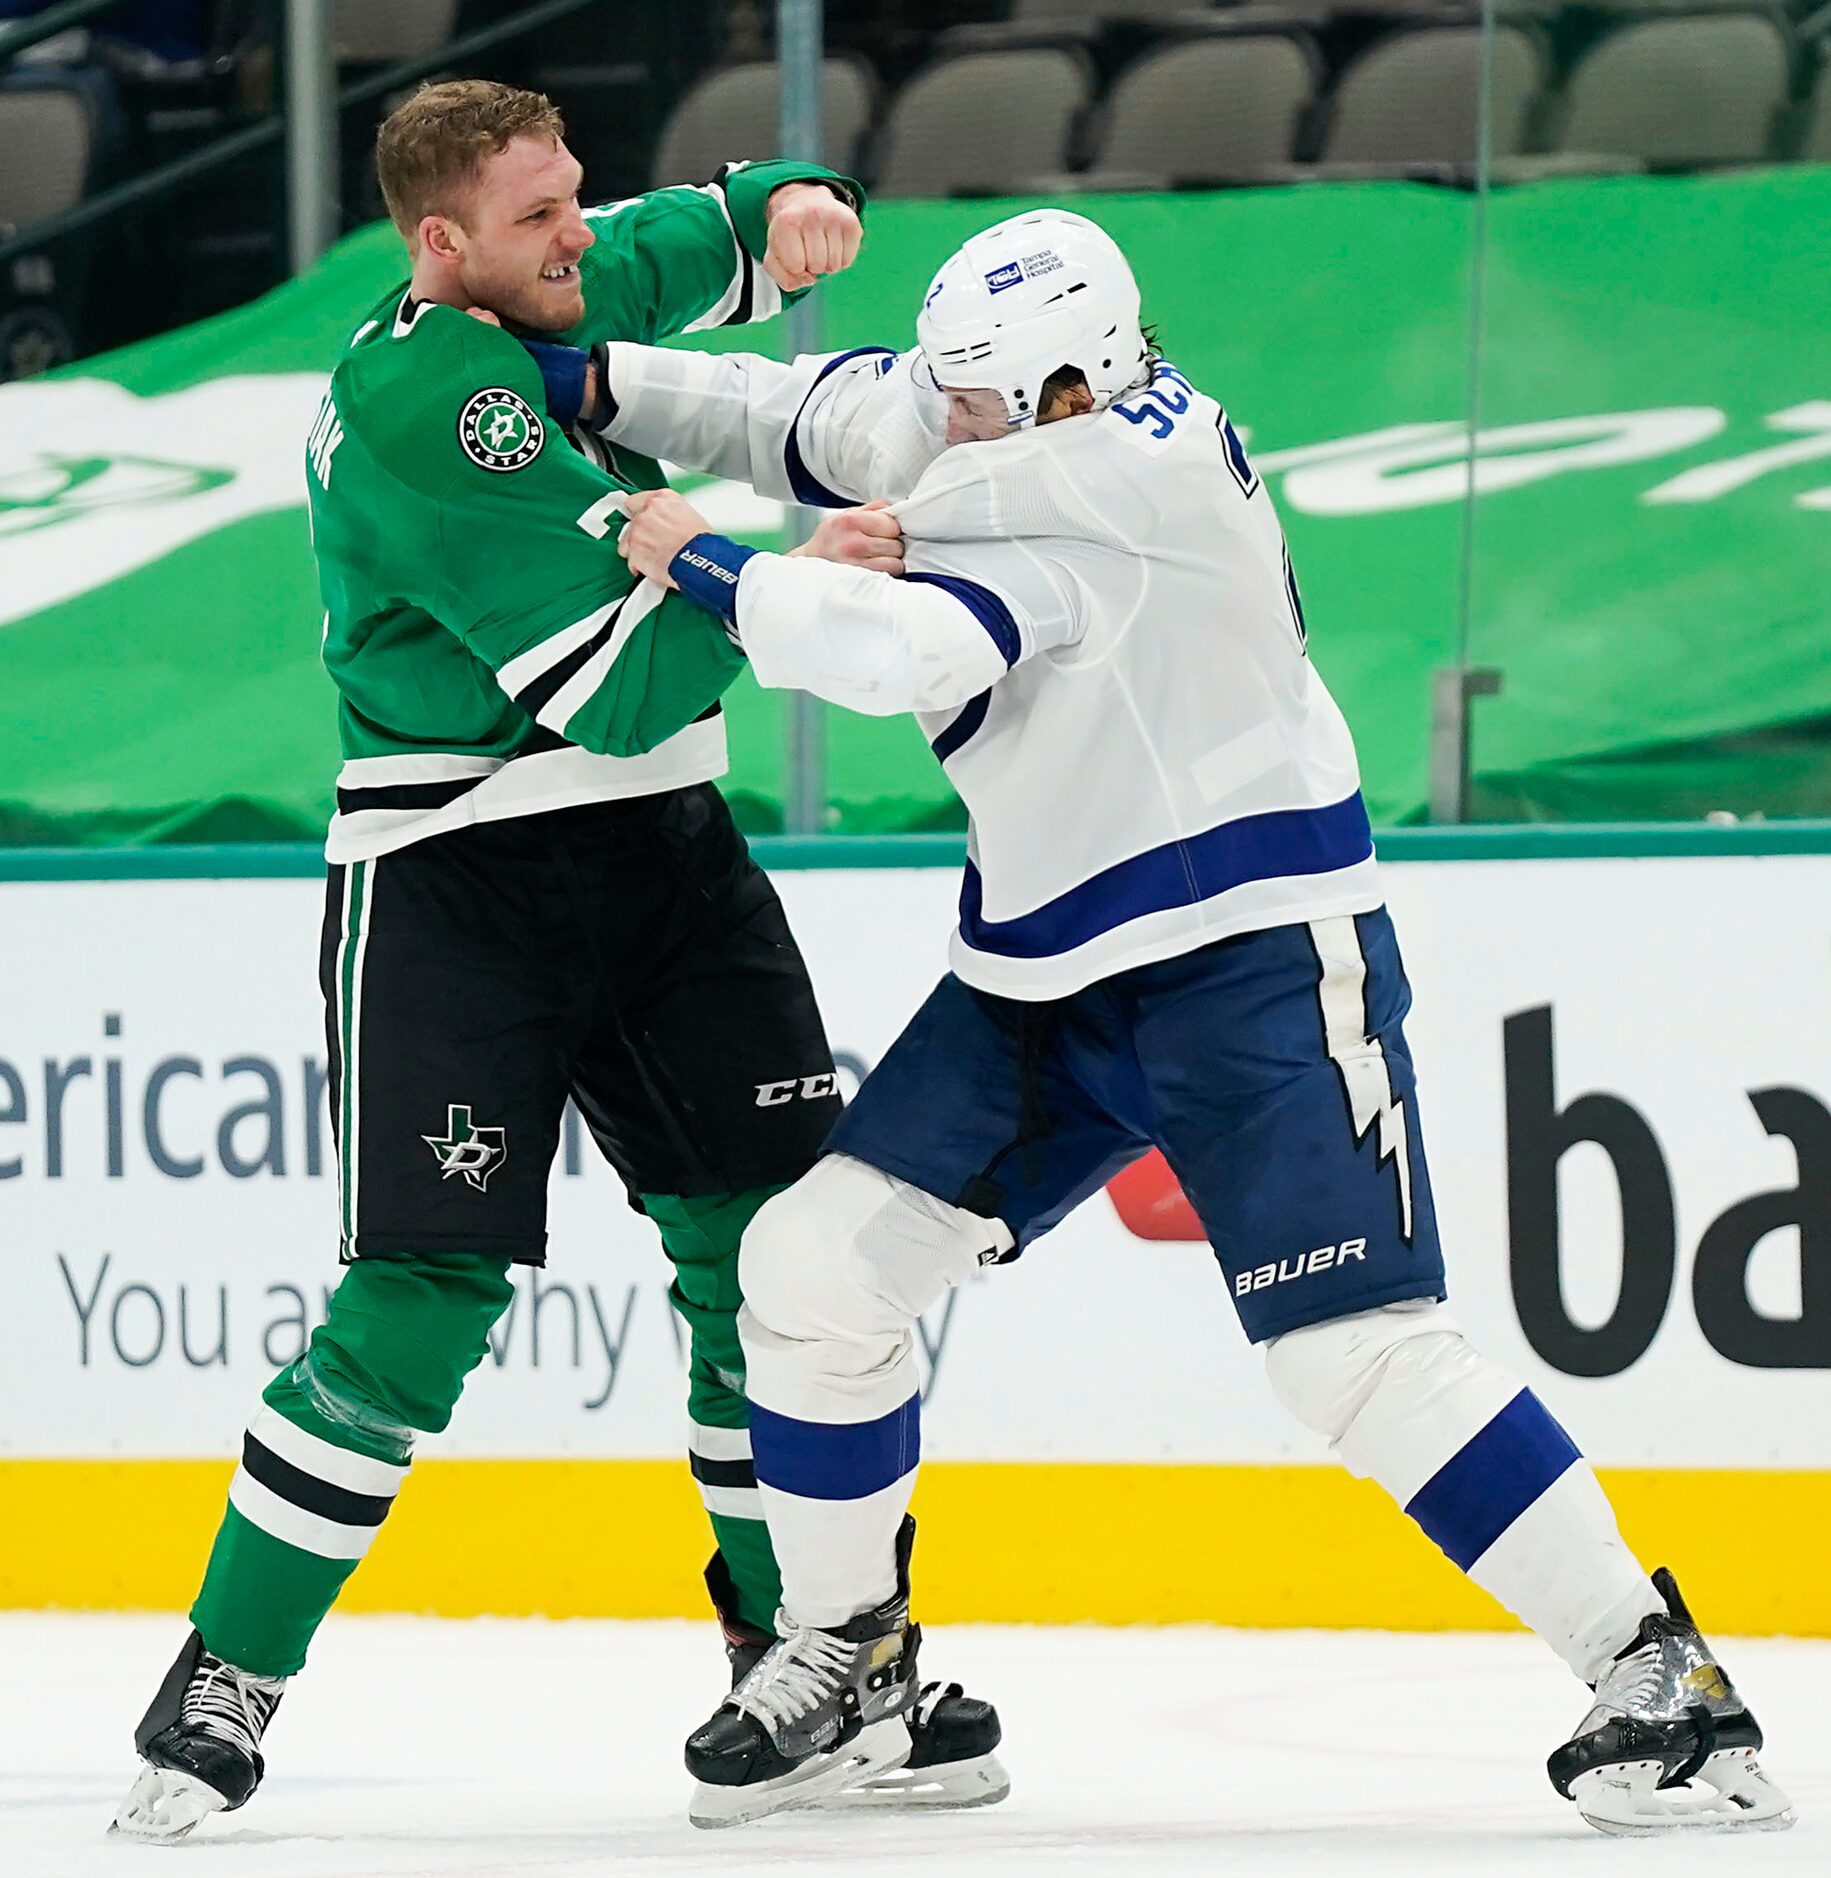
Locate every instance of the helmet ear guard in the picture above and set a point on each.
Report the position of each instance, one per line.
(1027, 297)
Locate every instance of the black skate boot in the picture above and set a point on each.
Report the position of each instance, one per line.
(1669, 1743)
(953, 1736)
(200, 1746)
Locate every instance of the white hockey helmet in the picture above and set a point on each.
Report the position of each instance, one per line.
(1026, 297)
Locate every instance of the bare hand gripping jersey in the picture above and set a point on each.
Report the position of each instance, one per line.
(1100, 634)
(494, 655)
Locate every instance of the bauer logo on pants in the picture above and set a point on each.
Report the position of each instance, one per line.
(476, 1153)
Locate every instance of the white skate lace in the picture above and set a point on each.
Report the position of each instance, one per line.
(794, 1677)
(1633, 1683)
(230, 1705)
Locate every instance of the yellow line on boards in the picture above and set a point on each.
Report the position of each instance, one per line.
(1000, 1542)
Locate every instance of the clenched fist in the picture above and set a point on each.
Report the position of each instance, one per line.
(869, 538)
(661, 523)
(811, 233)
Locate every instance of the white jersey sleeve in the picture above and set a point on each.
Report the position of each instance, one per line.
(976, 602)
(826, 431)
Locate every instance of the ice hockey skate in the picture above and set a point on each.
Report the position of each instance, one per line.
(200, 1746)
(824, 1713)
(1669, 1745)
(953, 1736)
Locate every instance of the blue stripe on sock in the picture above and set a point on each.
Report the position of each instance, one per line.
(1478, 1493)
(835, 1460)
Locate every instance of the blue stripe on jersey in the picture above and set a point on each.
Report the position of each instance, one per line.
(1479, 1492)
(985, 606)
(960, 728)
(835, 1460)
(1272, 846)
(809, 490)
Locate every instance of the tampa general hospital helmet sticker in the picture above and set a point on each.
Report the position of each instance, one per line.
(500, 431)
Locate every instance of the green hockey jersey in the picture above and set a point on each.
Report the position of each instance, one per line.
(493, 653)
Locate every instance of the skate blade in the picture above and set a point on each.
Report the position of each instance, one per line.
(876, 1750)
(979, 1782)
(164, 1806)
(1730, 1793)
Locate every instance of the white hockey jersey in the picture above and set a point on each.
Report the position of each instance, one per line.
(1100, 633)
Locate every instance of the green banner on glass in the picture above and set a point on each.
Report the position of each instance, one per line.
(1650, 534)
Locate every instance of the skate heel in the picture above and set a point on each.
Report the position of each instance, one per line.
(1729, 1792)
(876, 1750)
(164, 1805)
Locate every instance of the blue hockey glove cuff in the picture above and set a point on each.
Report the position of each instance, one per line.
(562, 371)
(706, 570)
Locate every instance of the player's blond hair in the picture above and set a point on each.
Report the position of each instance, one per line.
(429, 151)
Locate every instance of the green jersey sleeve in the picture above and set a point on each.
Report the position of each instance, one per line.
(687, 259)
(518, 556)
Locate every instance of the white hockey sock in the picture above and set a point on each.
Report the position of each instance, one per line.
(1480, 1464)
(834, 1491)
(836, 1271)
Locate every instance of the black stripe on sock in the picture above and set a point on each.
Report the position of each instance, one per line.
(308, 1492)
(722, 1473)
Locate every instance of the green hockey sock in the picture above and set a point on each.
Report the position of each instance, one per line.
(702, 1238)
(325, 1456)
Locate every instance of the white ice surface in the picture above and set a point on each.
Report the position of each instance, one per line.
(534, 1750)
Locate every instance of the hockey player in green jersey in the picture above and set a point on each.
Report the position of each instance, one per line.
(534, 893)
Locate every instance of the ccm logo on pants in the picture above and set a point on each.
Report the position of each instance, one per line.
(1304, 1265)
(772, 1095)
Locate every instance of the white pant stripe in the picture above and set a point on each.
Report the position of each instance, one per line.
(359, 878)
(1365, 1073)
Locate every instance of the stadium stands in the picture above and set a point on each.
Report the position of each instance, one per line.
(928, 97)
(1091, 94)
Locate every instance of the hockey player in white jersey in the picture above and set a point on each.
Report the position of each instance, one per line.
(1171, 933)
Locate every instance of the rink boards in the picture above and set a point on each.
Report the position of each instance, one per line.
(1626, 1103)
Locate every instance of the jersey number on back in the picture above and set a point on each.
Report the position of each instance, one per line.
(1161, 404)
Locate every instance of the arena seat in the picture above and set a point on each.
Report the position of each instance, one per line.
(737, 112)
(374, 32)
(1208, 108)
(976, 124)
(1699, 88)
(1411, 97)
(46, 139)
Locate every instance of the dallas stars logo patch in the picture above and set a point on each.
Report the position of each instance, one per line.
(499, 431)
(474, 1152)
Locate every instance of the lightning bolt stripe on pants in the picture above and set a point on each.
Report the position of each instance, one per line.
(1365, 1074)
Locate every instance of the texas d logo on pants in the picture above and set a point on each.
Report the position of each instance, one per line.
(464, 1149)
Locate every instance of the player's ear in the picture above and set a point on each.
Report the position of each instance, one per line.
(441, 237)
